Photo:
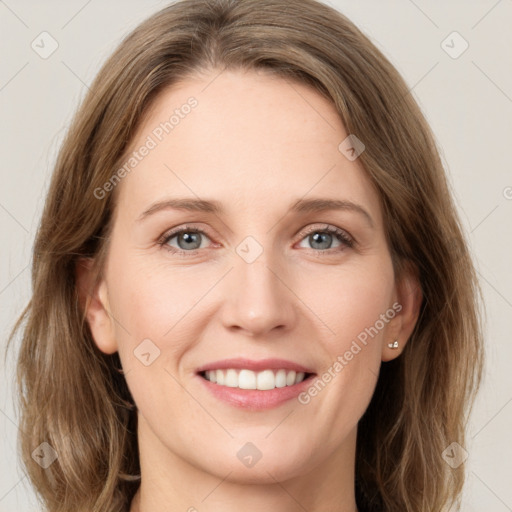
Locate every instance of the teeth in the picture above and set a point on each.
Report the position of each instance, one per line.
(247, 379)
(231, 379)
(265, 380)
(280, 378)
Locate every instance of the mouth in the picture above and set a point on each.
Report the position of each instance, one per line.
(255, 384)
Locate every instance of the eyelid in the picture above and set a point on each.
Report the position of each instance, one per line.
(171, 233)
(330, 228)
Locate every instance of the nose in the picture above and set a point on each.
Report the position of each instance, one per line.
(258, 301)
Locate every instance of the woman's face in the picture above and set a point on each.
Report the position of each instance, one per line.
(265, 286)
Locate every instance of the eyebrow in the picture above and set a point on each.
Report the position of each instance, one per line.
(216, 208)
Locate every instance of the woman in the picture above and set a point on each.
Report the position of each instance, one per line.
(245, 370)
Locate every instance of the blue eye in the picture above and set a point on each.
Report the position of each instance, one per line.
(188, 239)
(324, 236)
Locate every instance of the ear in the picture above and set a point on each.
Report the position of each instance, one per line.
(408, 304)
(93, 298)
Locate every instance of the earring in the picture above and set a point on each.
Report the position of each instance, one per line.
(394, 344)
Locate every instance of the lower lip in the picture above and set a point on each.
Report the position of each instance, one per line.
(255, 399)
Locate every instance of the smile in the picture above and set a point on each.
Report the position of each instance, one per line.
(248, 379)
(254, 384)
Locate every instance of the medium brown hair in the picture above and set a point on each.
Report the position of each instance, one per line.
(70, 394)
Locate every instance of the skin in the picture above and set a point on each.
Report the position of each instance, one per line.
(256, 144)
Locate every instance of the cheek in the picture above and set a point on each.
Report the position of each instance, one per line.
(159, 302)
(350, 303)
(355, 307)
(147, 294)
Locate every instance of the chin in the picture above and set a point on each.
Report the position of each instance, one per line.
(264, 473)
(270, 464)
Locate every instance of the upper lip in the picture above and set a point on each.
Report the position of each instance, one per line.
(255, 365)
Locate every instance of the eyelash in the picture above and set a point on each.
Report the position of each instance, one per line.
(341, 235)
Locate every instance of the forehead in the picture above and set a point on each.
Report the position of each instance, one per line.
(245, 138)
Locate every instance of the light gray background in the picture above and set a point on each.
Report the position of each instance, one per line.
(467, 100)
